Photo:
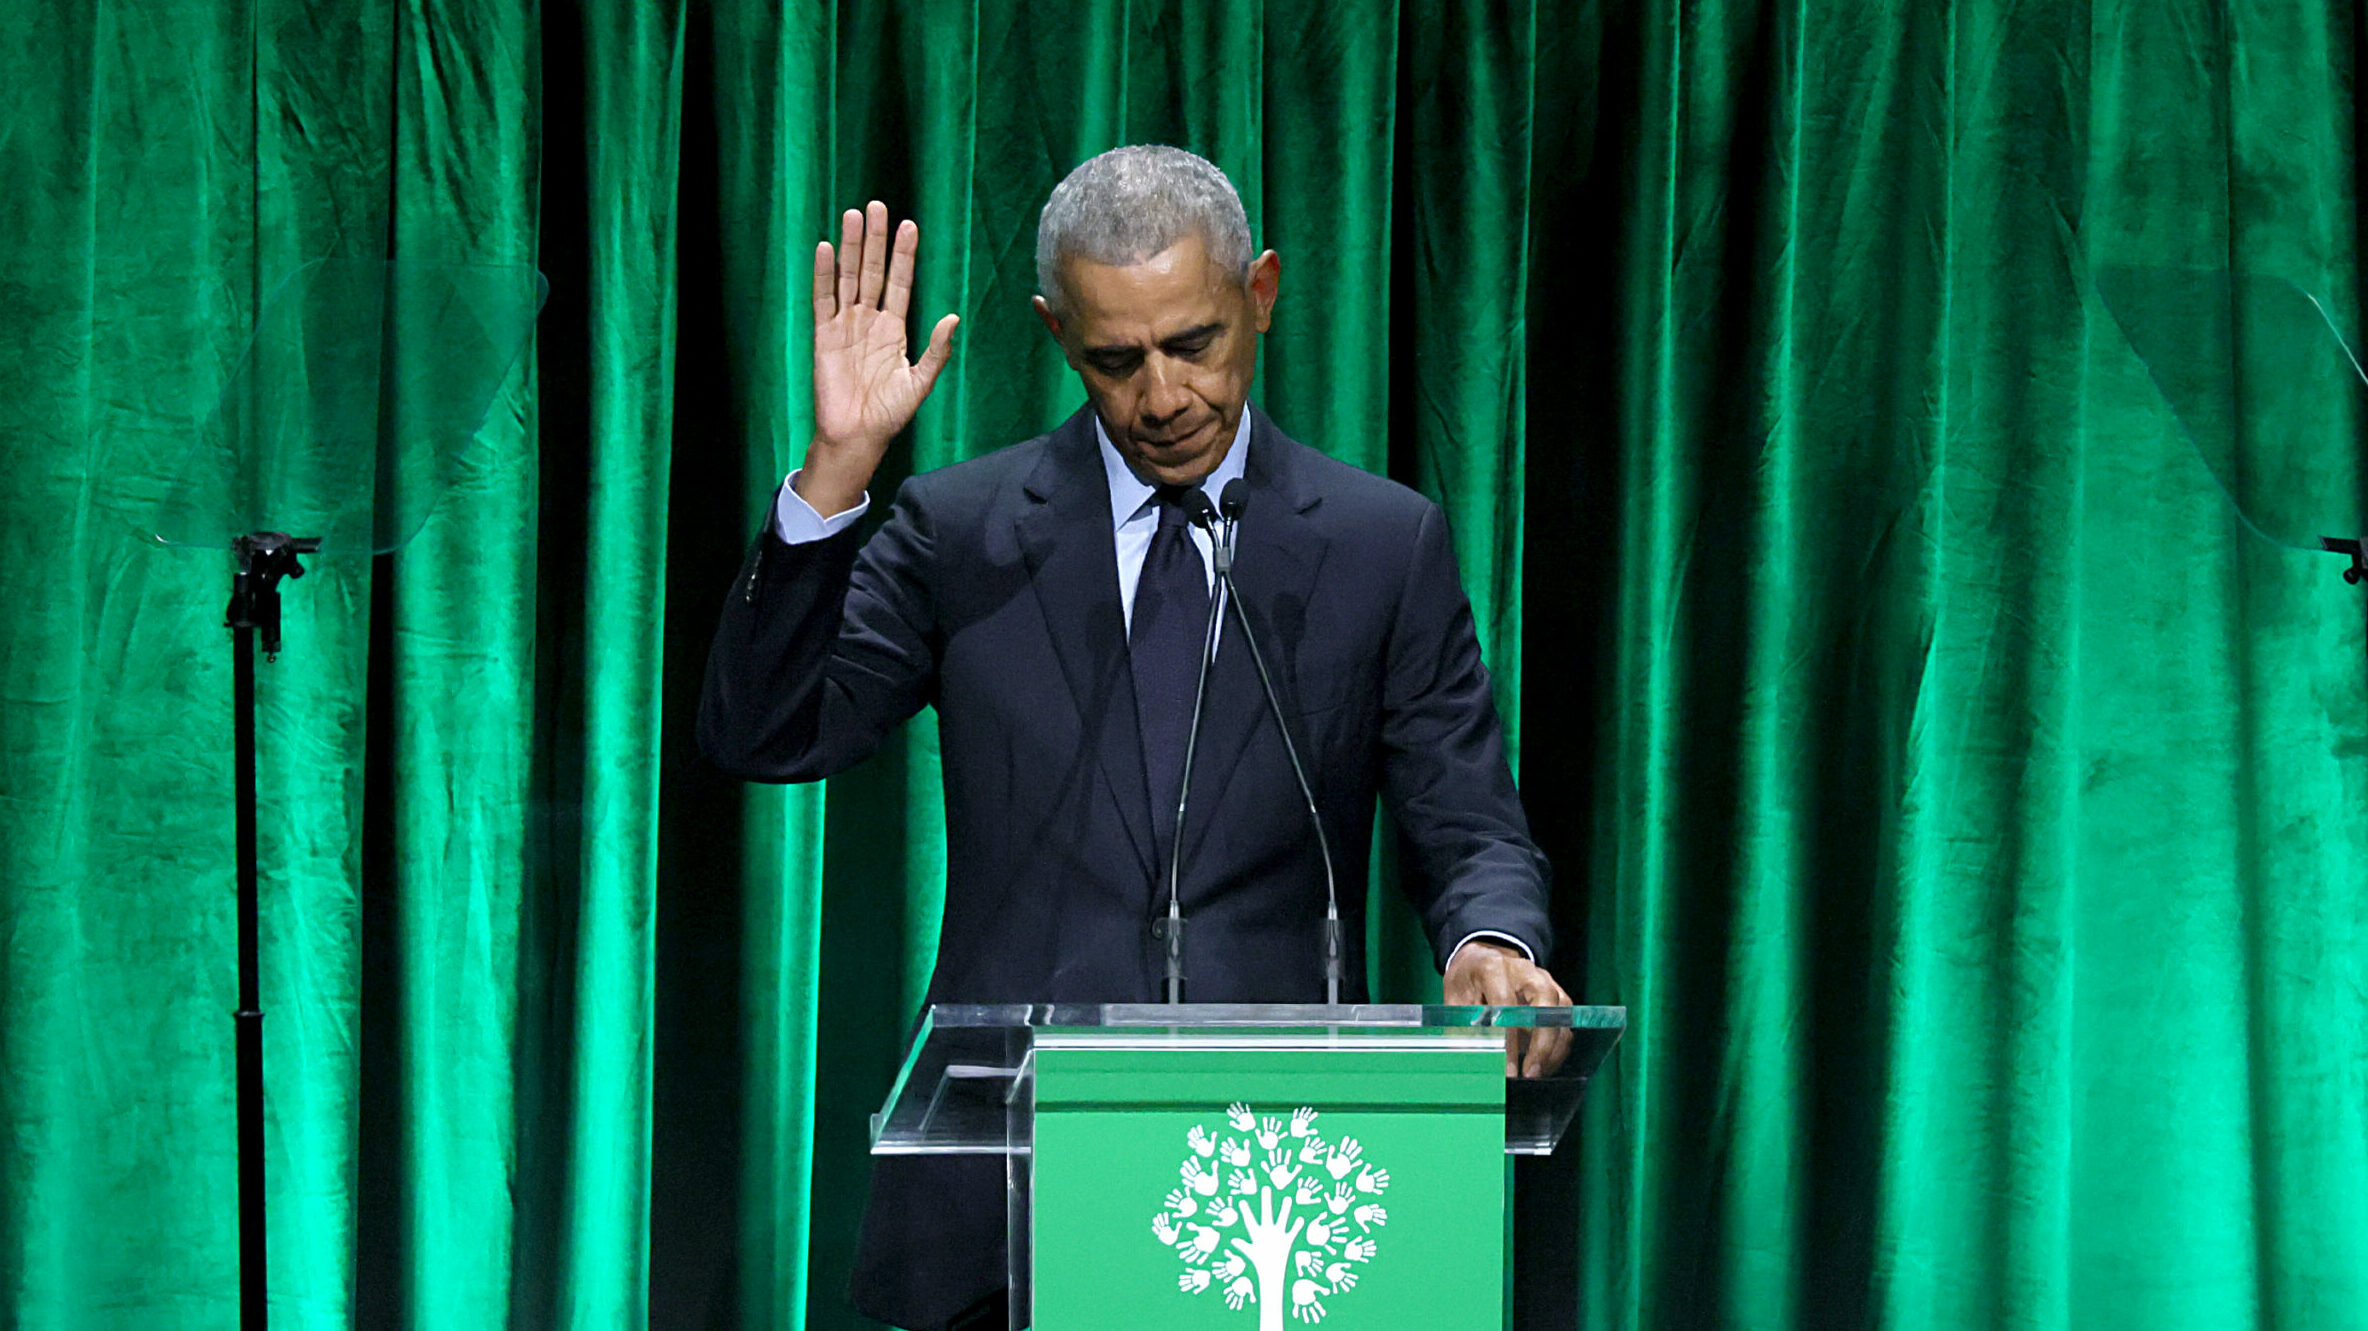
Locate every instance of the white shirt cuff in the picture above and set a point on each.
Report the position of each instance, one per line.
(796, 522)
(1508, 939)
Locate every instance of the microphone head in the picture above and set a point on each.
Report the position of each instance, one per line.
(1197, 509)
(1235, 499)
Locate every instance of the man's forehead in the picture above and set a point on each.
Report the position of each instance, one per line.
(1173, 290)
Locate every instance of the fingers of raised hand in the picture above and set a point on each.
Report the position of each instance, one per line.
(875, 252)
(850, 255)
(900, 270)
(826, 283)
(939, 351)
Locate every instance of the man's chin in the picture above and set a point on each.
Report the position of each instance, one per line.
(1183, 462)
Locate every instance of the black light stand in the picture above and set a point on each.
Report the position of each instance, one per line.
(2338, 545)
(2356, 551)
(263, 559)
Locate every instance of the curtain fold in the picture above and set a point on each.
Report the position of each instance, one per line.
(1960, 841)
(604, 566)
(1966, 804)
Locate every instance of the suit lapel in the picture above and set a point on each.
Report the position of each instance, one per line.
(1277, 555)
(1073, 566)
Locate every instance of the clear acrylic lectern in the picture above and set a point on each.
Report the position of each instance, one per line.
(1209, 1164)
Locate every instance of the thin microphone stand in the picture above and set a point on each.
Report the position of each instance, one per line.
(1234, 500)
(1199, 512)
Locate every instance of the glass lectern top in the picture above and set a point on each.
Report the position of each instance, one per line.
(951, 1096)
(354, 405)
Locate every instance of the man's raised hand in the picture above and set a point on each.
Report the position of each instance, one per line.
(864, 389)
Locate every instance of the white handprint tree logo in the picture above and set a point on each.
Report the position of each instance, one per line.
(1271, 1214)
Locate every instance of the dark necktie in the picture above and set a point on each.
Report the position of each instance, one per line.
(1171, 619)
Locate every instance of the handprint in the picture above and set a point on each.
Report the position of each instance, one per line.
(1202, 1181)
(1249, 1166)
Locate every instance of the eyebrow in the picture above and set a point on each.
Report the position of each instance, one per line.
(1125, 348)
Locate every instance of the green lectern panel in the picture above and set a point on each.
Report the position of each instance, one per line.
(1256, 1182)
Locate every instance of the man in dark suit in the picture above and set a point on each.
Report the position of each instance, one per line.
(1049, 599)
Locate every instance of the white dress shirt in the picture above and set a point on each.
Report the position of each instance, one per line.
(1134, 519)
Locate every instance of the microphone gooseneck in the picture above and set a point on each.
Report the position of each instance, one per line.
(1233, 501)
(1199, 512)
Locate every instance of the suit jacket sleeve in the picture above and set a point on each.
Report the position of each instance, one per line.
(821, 649)
(1444, 773)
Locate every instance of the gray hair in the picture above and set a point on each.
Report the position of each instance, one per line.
(1129, 204)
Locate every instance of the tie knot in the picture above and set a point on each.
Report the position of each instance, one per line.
(1170, 499)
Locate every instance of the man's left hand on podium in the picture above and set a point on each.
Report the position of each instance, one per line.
(1482, 973)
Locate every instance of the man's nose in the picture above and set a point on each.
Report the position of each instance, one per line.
(1166, 398)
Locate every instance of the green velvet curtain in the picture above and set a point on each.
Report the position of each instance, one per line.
(1967, 808)
(1979, 847)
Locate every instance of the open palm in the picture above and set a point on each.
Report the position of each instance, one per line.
(864, 388)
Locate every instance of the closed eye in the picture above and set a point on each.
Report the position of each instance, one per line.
(1188, 345)
(1121, 361)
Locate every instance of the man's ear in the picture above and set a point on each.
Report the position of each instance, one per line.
(1052, 325)
(1266, 282)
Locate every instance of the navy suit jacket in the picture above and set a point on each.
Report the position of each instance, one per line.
(992, 594)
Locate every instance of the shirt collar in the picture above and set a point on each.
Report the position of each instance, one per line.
(1128, 492)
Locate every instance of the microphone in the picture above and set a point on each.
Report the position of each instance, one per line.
(1197, 511)
(1232, 502)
